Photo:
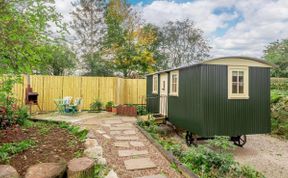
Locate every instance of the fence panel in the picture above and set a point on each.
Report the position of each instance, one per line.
(90, 90)
(53, 89)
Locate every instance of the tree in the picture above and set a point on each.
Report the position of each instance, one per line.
(126, 43)
(57, 59)
(277, 53)
(89, 26)
(182, 44)
(23, 31)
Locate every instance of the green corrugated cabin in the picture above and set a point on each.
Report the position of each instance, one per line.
(227, 96)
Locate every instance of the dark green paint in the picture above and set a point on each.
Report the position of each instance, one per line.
(203, 107)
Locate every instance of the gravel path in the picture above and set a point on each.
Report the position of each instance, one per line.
(266, 154)
(105, 127)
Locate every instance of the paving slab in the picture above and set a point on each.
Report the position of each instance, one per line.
(129, 132)
(115, 132)
(106, 125)
(123, 125)
(120, 128)
(136, 143)
(154, 176)
(113, 122)
(139, 163)
(128, 119)
(123, 153)
(123, 144)
(101, 131)
(106, 136)
(127, 138)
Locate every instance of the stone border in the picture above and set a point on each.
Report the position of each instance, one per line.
(168, 155)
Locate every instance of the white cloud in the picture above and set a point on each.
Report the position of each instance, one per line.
(263, 21)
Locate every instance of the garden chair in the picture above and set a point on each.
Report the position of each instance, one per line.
(60, 106)
(73, 108)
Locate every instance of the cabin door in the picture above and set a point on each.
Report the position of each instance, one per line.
(163, 94)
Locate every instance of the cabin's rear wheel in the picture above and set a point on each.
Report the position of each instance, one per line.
(189, 138)
(239, 140)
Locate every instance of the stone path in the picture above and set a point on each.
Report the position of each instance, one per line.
(127, 151)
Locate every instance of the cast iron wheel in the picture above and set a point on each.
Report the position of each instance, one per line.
(189, 138)
(239, 140)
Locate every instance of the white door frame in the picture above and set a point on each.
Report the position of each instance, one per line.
(163, 108)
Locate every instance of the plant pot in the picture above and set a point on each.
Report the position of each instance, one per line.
(114, 110)
(108, 108)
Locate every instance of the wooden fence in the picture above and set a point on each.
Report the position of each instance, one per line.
(118, 90)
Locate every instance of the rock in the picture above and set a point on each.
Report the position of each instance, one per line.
(111, 174)
(94, 152)
(80, 167)
(7, 171)
(165, 130)
(101, 161)
(46, 170)
(90, 143)
(91, 134)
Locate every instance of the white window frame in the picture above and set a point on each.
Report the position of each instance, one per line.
(245, 94)
(155, 87)
(173, 93)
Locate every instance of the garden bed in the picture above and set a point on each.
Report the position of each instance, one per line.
(38, 142)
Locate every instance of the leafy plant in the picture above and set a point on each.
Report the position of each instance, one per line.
(100, 171)
(141, 110)
(8, 149)
(22, 115)
(109, 104)
(75, 130)
(221, 143)
(96, 106)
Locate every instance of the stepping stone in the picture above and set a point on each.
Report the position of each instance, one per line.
(42, 170)
(139, 163)
(81, 167)
(121, 144)
(128, 119)
(113, 122)
(123, 153)
(106, 136)
(101, 131)
(127, 138)
(115, 132)
(7, 171)
(136, 143)
(120, 128)
(154, 176)
(124, 125)
(106, 125)
(129, 132)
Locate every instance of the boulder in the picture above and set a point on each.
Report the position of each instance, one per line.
(95, 152)
(46, 170)
(80, 167)
(91, 134)
(7, 171)
(101, 161)
(90, 143)
(111, 174)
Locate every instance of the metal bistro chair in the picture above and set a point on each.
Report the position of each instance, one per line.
(60, 106)
(73, 108)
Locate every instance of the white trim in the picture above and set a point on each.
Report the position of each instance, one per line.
(237, 62)
(245, 94)
(154, 88)
(173, 73)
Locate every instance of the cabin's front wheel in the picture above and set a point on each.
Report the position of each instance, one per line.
(189, 138)
(239, 140)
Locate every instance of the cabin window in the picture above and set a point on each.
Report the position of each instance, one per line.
(238, 81)
(155, 84)
(174, 83)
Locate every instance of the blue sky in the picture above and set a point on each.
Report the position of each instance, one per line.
(232, 27)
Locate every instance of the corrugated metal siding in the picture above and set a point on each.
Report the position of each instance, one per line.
(185, 110)
(235, 117)
(152, 99)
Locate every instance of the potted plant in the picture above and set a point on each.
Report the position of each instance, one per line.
(114, 109)
(109, 106)
(96, 106)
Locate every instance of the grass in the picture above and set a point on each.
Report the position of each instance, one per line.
(75, 130)
(9, 149)
(100, 171)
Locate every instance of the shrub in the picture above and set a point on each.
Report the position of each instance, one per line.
(75, 130)
(141, 110)
(109, 104)
(279, 83)
(96, 106)
(22, 115)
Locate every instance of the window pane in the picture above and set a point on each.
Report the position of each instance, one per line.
(241, 87)
(241, 78)
(241, 73)
(234, 76)
(234, 87)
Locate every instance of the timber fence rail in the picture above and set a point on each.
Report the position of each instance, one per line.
(118, 90)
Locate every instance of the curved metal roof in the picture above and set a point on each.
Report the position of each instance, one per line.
(219, 58)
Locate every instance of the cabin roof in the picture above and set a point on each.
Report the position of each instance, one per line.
(271, 65)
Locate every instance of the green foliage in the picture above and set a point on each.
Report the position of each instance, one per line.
(22, 115)
(110, 104)
(277, 53)
(75, 130)
(221, 143)
(9, 149)
(141, 110)
(100, 171)
(96, 106)
(279, 84)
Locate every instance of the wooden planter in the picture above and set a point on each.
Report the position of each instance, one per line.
(125, 110)
(108, 108)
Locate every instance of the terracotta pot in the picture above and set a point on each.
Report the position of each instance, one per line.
(114, 110)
